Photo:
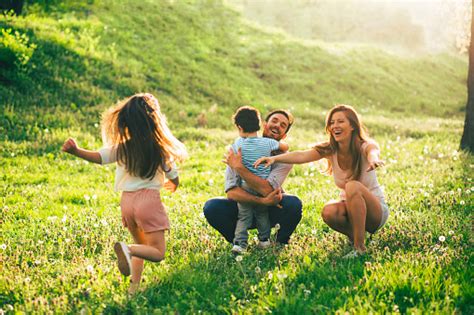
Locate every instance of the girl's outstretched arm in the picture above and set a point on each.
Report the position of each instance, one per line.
(295, 157)
(70, 146)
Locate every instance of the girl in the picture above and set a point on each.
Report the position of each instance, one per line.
(145, 150)
(352, 158)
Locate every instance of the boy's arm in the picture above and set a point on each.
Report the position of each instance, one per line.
(70, 146)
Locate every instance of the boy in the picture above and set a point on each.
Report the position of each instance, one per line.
(247, 120)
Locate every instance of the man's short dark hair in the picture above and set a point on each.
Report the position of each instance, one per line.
(247, 118)
(285, 113)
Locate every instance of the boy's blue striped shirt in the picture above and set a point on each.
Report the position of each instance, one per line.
(254, 148)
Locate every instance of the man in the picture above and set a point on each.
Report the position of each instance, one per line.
(284, 209)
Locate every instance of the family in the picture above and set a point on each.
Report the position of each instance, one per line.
(138, 140)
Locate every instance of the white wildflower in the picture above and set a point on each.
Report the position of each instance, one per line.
(238, 258)
(94, 197)
(64, 219)
(3, 246)
(257, 269)
(87, 197)
(277, 226)
(442, 238)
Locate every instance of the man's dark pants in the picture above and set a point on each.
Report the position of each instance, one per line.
(221, 213)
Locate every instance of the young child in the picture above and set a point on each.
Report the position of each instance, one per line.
(145, 151)
(247, 120)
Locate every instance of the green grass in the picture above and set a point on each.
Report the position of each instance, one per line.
(60, 217)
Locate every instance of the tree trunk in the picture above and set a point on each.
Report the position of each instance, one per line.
(467, 140)
(15, 5)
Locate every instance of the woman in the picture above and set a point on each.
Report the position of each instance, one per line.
(352, 158)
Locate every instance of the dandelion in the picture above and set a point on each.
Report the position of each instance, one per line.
(451, 232)
(46, 130)
(37, 262)
(96, 225)
(462, 202)
(40, 242)
(12, 154)
(96, 125)
(468, 191)
(87, 197)
(307, 292)
(442, 238)
(27, 280)
(211, 182)
(238, 258)
(270, 275)
(257, 269)
(104, 222)
(94, 197)
(67, 240)
(3, 246)
(64, 219)
(459, 190)
(90, 269)
(65, 207)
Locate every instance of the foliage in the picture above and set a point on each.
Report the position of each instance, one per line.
(60, 217)
(15, 48)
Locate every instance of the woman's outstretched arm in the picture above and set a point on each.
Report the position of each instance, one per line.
(295, 157)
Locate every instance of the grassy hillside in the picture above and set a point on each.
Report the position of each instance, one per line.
(59, 215)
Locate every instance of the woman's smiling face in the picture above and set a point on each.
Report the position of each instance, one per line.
(340, 127)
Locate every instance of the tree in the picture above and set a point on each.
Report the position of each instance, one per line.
(15, 5)
(467, 140)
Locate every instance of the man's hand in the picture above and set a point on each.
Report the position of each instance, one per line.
(70, 146)
(273, 198)
(234, 160)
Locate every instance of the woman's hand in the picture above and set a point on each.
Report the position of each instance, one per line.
(70, 146)
(266, 160)
(374, 164)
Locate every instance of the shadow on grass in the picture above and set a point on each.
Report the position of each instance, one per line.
(220, 284)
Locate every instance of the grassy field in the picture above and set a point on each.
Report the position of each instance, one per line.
(59, 215)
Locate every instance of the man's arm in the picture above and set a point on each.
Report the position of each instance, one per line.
(240, 195)
(234, 162)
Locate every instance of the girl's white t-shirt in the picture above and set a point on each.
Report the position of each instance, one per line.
(368, 179)
(124, 181)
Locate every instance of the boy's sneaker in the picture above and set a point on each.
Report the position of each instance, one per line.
(237, 249)
(353, 254)
(264, 244)
(124, 258)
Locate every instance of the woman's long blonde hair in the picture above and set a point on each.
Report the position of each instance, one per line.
(139, 130)
(358, 137)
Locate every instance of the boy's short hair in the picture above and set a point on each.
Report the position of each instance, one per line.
(247, 118)
(285, 113)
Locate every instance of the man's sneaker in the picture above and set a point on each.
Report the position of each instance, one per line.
(237, 249)
(123, 257)
(264, 244)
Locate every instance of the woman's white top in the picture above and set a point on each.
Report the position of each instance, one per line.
(124, 181)
(368, 179)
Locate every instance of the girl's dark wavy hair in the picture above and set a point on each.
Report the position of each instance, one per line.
(141, 135)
